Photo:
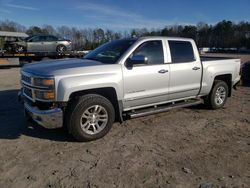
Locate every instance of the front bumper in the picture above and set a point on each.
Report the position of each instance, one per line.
(50, 119)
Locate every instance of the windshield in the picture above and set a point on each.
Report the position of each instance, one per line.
(110, 52)
(27, 38)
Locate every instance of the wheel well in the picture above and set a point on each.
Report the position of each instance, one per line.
(17, 45)
(228, 79)
(60, 45)
(108, 93)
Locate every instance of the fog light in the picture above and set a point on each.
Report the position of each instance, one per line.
(45, 95)
(49, 95)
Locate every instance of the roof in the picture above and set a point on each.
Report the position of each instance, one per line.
(41, 34)
(166, 37)
(159, 38)
(12, 34)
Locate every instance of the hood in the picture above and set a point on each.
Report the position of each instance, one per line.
(17, 42)
(58, 67)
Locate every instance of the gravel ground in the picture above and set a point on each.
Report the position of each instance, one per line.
(188, 147)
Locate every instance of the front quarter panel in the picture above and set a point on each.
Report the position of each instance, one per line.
(66, 85)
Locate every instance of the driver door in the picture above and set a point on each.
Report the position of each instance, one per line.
(50, 44)
(36, 44)
(146, 84)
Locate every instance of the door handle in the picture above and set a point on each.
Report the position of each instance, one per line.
(162, 71)
(196, 68)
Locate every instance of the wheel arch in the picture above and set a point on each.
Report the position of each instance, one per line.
(20, 44)
(107, 92)
(227, 78)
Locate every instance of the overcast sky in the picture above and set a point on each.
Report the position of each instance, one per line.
(123, 14)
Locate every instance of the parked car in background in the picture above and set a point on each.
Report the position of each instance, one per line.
(40, 43)
(245, 72)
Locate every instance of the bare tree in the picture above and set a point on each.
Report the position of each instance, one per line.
(8, 25)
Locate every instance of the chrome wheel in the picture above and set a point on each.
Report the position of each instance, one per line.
(61, 49)
(94, 119)
(19, 49)
(220, 95)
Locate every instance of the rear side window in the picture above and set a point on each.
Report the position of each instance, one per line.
(181, 51)
(51, 38)
(38, 39)
(152, 50)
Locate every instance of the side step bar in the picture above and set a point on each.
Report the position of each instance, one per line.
(160, 109)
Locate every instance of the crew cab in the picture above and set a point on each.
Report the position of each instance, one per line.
(124, 79)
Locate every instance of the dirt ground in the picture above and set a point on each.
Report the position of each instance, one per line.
(188, 147)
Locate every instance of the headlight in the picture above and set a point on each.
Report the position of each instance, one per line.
(44, 82)
(46, 89)
(45, 95)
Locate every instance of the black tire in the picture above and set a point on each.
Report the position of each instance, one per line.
(211, 101)
(76, 110)
(61, 48)
(20, 49)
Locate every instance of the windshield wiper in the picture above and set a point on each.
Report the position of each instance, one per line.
(90, 58)
(99, 60)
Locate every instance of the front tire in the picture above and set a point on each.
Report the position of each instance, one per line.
(90, 117)
(20, 49)
(218, 95)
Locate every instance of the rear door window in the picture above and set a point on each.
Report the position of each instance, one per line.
(38, 39)
(51, 38)
(181, 51)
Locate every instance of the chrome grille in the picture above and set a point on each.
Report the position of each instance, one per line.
(27, 92)
(30, 88)
(26, 79)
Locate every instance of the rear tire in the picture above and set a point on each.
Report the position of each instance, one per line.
(218, 95)
(61, 48)
(90, 117)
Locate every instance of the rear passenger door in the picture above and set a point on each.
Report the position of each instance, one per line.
(50, 44)
(146, 84)
(185, 70)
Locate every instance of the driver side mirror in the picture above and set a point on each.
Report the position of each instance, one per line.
(136, 60)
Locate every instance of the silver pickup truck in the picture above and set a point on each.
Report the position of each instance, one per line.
(124, 79)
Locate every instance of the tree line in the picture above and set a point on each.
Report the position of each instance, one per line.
(224, 34)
